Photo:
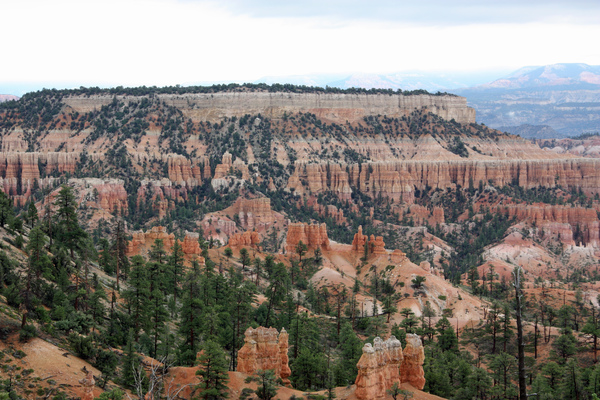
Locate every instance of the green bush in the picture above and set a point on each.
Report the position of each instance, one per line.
(28, 332)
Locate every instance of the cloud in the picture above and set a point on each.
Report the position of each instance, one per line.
(429, 12)
(168, 42)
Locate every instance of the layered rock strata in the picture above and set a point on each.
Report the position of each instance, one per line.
(378, 368)
(264, 349)
(398, 180)
(313, 235)
(340, 107)
(559, 220)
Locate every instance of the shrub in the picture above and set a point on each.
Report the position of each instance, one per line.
(28, 332)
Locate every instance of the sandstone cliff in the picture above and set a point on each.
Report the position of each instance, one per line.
(559, 220)
(336, 107)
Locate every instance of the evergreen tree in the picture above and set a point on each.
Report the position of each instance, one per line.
(32, 214)
(190, 324)
(68, 231)
(213, 372)
(266, 389)
(138, 294)
(350, 349)
(175, 262)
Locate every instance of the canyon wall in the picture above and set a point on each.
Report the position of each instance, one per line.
(398, 180)
(559, 220)
(340, 107)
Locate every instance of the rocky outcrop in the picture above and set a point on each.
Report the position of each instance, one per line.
(319, 178)
(144, 241)
(182, 172)
(375, 245)
(254, 213)
(339, 107)
(411, 369)
(559, 220)
(421, 215)
(88, 384)
(190, 244)
(229, 171)
(283, 355)
(313, 235)
(246, 239)
(265, 348)
(378, 368)
(398, 180)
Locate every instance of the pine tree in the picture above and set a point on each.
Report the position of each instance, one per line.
(191, 316)
(266, 389)
(212, 368)
(68, 231)
(350, 349)
(138, 294)
(175, 262)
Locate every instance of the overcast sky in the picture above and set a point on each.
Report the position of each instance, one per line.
(71, 43)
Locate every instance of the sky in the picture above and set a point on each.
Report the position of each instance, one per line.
(72, 43)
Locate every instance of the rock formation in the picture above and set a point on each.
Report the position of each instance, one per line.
(88, 384)
(254, 213)
(283, 354)
(559, 220)
(265, 348)
(246, 239)
(339, 107)
(378, 368)
(227, 168)
(411, 369)
(313, 235)
(358, 243)
(375, 245)
(144, 241)
(398, 179)
(398, 256)
(181, 171)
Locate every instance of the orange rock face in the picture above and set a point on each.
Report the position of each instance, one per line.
(254, 214)
(378, 368)
(313, 235)
(398, 179)
(265, 348)
(181, 170)
(144, 241)
(559, 220)
(376, 245)
(411, 369)
(358, 243)
(247, 239)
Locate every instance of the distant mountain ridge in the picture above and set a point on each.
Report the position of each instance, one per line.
(563, 97)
